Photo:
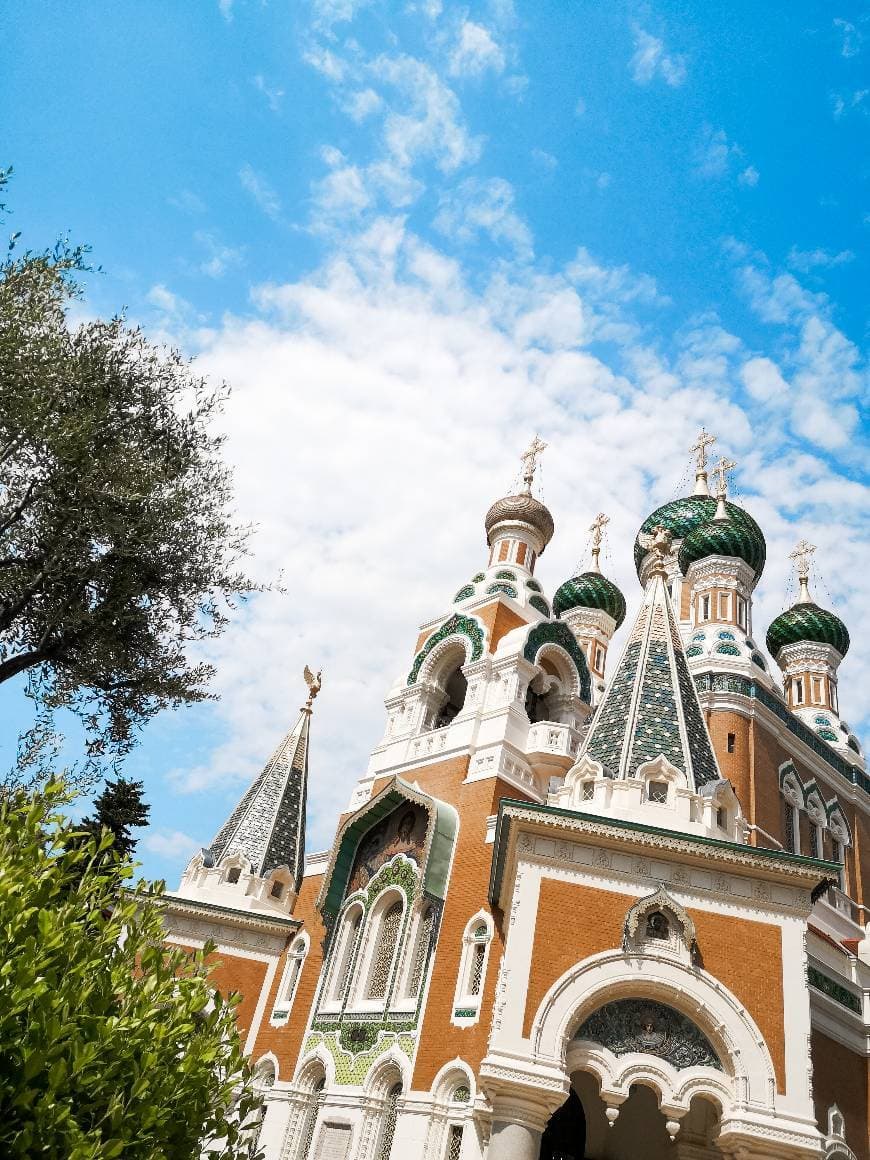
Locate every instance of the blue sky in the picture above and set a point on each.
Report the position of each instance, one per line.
(409, 235)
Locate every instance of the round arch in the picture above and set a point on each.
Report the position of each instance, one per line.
(748, 1074)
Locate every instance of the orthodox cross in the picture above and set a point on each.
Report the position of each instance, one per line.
(699, 448)
(721, 472)
(801, 556)
(597, 530)
(530, 461)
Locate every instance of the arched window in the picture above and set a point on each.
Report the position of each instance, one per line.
(456, 689)
(420, 952)
(384, 952)
(345, 950)
(292, 971)
(388, 1125)
(309, 1119)
(472, 970)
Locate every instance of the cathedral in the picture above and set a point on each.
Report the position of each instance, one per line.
(584, 902)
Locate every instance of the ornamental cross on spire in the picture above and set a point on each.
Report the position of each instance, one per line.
(801, 556)
(530, 461)
(699, 450)
(597, 530)
(721, 472)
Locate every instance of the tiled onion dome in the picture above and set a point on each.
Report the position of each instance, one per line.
(732, 537)
(682, 516)
(524, 508)
(590, 590)
(807, 622)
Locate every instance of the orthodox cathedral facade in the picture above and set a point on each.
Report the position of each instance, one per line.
(581, 904)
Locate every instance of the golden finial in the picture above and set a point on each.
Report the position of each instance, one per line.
(313, 681)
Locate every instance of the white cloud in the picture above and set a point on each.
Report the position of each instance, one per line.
(362, 103)
(850, 37)
(406, 397)
(480, 206)
(272, 93)
(330, 12)
(843, 103)
(650, 60)
(476, 52)
(430, 123)
(174, 845)
(545, 160)
(808, 260)
(763, 379)
(716, 156)
(188, 201)
(225, 7)
(219, 257)
(327, 63)
(749, 176)
(261, 191)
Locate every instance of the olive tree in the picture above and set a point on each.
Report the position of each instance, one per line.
(112, 1044)
(118, 546)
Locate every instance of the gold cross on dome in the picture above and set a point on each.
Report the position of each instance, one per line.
(801, 556)
(530, 461)
(699, 448)
(721, 472)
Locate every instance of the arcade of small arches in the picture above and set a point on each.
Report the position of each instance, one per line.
(829, 832)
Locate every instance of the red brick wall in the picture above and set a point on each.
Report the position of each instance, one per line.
(840, 1077)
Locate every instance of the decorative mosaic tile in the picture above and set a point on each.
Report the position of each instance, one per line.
(557, 633)
(464, 625)
(507, 589)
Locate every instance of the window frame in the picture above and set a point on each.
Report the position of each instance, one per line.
(469, 1003)
(358, 993)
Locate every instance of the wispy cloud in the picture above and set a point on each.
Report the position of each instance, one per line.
(272, 93)
(219, 257)
(855, 102)
(650, 60)
(476, 52)
(225, 7)
(850, 37)
(261, 191)
(717, 157)
(173, 845)
(807, 260)
(484, 207)
(188, 201)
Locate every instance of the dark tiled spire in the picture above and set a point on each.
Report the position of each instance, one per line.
(650, 707)
(268, 825)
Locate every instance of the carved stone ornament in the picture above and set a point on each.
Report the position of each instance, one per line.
(659, 902)
(649, 1028)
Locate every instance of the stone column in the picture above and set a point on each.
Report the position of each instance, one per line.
(520, 1109)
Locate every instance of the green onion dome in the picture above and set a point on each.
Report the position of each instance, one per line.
(682, 516)
(807, 622)
(590, 590)
(737, 536)
(521, 509)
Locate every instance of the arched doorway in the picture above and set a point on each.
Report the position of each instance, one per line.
(565, 1135)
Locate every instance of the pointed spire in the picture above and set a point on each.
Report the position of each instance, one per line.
(699, 450)
(801, 556)
(651, 708)
(597, 530)
(268, 825)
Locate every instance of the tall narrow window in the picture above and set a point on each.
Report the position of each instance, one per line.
(833, 687)
(705, 607)
(815, 841)
(345, 954)
(478, 955)
(295, 959)
(421, 952)
(454, 1142)
(798, 687)
(388, 1130)
(382, 961)
(724, 606)
(791, 827)
(741, 612)
(732, 739)
(309, 1122)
